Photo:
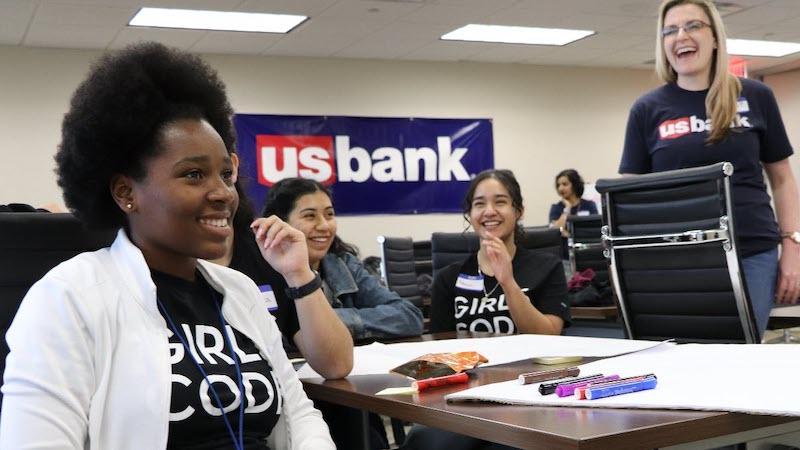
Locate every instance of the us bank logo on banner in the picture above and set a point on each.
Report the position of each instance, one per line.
(372, 165)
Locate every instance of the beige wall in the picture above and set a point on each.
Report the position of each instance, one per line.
(545, 118)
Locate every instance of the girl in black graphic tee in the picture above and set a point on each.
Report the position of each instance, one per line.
(502, 288)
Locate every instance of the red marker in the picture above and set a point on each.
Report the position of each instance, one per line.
(456, 378)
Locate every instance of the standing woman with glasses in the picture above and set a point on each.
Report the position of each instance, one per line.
(703, 115)
(144, 345)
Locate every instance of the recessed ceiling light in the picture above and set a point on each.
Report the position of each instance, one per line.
(215, 20)
(747, 47)
(516, 35)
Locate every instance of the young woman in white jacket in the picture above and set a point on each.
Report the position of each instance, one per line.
(143, 345)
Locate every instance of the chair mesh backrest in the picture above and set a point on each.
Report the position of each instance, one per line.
(398, 269)
(422, 257)
(543, 239)
(689, 292)
(586, 249)
(30, 245)
(449, 248)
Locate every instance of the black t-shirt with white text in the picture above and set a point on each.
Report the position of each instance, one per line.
(457, 306)
(196, 422)
(667, 129)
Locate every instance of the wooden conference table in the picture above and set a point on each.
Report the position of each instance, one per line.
(540, 427)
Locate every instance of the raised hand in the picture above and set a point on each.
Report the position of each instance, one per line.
(284, 248)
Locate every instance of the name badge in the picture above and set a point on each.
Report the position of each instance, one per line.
(268, 297)
(742, 106)
(583, 213)
(469, 282)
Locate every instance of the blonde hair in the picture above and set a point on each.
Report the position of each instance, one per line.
(724, 88)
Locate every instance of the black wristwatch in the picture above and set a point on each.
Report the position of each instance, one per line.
(301, 291)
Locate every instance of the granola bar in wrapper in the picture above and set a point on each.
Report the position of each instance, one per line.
(439, 364)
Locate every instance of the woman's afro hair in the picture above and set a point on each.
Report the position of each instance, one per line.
(116, 116)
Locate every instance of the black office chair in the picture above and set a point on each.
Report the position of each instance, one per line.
(586, 246)
(398, 269)
(30, 245)
(449, 248)
(422, 258)
(673, 261)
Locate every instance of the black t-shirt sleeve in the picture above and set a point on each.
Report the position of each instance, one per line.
(555, 211)
(775, 144)
(543, 274)
(635, 155)
(591, 207)
(550, 297)
(248, 260)
(442, 312)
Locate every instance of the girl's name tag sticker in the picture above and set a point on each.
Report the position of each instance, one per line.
(269, 297)
(469, 282)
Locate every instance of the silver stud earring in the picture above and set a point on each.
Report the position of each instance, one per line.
(129, 205)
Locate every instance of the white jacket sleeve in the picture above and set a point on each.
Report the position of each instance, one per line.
(49, 375)
(306, 428)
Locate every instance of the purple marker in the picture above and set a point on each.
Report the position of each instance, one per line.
(567, 389)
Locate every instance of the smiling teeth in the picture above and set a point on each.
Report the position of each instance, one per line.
(219, 223)
(681, 51)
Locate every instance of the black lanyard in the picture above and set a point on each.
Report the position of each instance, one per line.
(237, 443)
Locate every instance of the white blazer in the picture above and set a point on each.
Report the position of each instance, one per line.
(89, 367)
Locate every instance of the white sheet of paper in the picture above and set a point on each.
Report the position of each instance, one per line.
(377, 358)
(758, 379)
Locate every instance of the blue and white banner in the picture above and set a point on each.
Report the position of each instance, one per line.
(372, 165)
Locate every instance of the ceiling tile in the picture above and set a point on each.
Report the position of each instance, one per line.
(448, 51)
(91, 15)
(16, 15)
(183, 39)
(69, 36)
(371, 10)
(235, 42)
(309, 8)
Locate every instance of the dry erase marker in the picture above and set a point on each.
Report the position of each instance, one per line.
(619, 381)
(457, 378)
(593, 393)
(549, 388)
(567, 389)
(580, 393)
(547, 375)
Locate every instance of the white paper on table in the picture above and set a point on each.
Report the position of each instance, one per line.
(759, 379)
(377, 358)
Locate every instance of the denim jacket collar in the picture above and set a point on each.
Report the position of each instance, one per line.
(338, 277)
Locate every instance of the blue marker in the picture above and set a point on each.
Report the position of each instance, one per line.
(621, 388)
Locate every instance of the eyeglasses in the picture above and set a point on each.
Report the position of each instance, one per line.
(689, 27)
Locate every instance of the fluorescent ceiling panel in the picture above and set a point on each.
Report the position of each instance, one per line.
(746, 47)
(516, 35)
(215, 20)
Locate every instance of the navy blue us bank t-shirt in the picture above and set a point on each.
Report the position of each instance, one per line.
(195, 419)
(667, 130)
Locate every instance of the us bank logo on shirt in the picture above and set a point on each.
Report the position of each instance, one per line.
(675, 128)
